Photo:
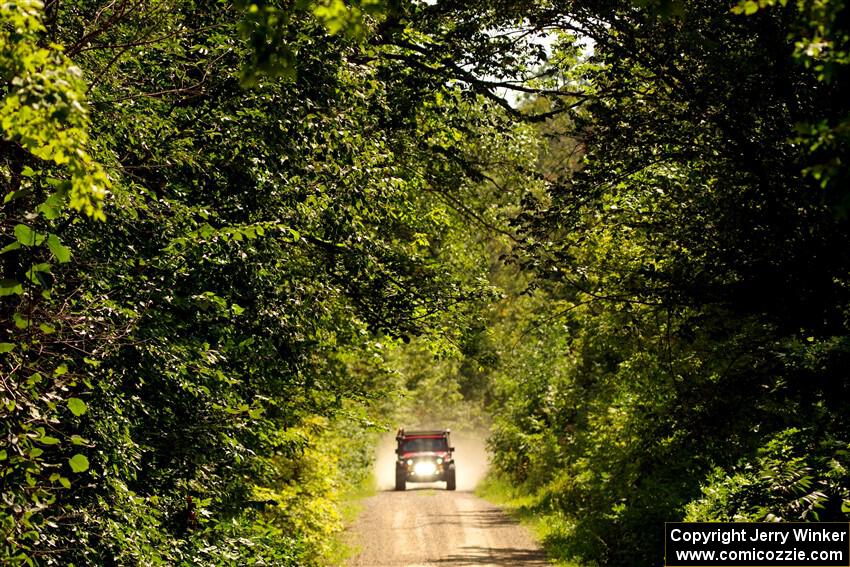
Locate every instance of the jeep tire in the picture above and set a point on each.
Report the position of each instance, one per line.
(450, 480)
(400, 480)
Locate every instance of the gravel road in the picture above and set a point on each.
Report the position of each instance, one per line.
(427, 526)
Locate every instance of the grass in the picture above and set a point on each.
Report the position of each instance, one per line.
(555, 532)
(350, 506)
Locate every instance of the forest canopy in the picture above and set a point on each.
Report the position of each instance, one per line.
(235, 233)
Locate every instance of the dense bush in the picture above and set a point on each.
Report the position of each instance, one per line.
(253, 235)
(683, 346)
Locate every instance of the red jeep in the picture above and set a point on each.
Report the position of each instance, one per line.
(424, 456)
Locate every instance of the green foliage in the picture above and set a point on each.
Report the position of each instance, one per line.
(795, 477)
(171, 371)
(682, 294)
(43, 109)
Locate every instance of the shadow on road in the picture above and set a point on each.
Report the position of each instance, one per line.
(477, 519)
(509, 557)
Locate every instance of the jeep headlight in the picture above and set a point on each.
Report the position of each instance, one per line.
(409, 462)
(439, 460)
(425, 468)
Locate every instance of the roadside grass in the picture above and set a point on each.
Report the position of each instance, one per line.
(350, 505)
(555, 532)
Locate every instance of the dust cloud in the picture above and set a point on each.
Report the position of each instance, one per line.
(470, 456)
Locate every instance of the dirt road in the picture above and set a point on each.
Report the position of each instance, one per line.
(430, 527)
(427, 526)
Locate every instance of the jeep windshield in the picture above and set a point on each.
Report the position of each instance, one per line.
(425, 445)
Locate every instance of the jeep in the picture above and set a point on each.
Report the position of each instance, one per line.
(424, 456)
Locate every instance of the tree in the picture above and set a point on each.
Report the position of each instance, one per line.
(169, 376)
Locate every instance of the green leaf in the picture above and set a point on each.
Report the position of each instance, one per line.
(48, 440)
(13, 246)
(47, 328)
(61, 252)
(21, 322)
(10, 287)
(77, 406)
(27, 236)
(77, 440)
(12, 195)
(6, 347)
(36, 276)
(64, 482)
(79, 463)
(52, 207)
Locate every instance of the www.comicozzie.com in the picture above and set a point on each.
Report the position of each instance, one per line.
(824, 544)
